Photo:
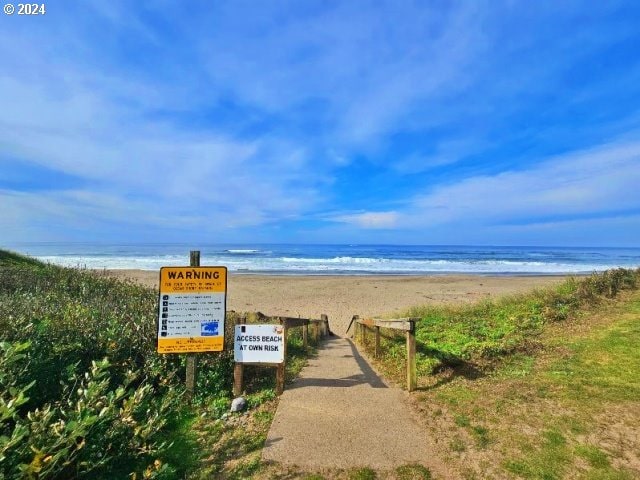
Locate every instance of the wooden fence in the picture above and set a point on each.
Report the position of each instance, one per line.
(320, 329)
(408, 325)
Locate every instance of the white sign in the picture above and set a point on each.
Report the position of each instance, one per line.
(259, 344)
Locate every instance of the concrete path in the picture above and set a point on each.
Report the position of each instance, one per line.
(339, 413)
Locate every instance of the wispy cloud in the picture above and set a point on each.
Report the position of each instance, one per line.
(596, 182)
(369, 219)
(445, 153)
(242, 116)
(137, 166)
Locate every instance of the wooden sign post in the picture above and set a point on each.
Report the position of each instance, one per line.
(192, 360)
(191, 312)
(238, 370)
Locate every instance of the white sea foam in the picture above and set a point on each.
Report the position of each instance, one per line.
(341, 264)
(334, 260)
(115, 262)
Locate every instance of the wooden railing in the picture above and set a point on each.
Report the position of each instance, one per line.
(408, 325)
(320, 326)
(320, 329)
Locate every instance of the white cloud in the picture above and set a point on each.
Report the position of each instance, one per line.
(590, 183)
(446, 152)
(90, 215)
(132, 165)
(374, 220)
(132, 102)
(367, 66)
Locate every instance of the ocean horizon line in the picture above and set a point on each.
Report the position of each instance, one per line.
(194, 245)
(342, 259)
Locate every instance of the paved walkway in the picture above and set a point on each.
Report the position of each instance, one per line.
(339, 413)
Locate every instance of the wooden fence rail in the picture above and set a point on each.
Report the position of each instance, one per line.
(320, 329)
(408, 325)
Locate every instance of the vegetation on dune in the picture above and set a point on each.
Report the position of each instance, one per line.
(543, 385)
(476, 336)
(567, 410)
(83, 394)
(11, 258)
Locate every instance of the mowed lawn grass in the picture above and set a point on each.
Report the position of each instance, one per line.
(571, 409)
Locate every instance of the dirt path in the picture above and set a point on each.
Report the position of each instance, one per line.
(340, 414)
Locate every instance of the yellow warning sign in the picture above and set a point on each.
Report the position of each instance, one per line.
(193, 279)
(192, 309)
(190, 345)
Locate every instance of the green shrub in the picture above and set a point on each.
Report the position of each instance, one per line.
(66, 411)
(89, 433)
(478, 334)
(83, 393)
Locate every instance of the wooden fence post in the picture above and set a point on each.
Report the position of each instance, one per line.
(191, 370)
(280, 379)
(282, 366)
(325, 324)
(305, 335)
(408, 325)
(411, 357)
(354, 319)
(285, 333)
(365, 331)
(238, 369)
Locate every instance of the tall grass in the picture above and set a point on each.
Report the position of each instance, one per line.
(83, 393)
(475, 336)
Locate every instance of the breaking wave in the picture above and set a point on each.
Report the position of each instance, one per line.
(334, 265)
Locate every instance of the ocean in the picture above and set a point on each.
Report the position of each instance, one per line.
(282, 259)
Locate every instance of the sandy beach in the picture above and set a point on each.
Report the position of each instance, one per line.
(341, 297)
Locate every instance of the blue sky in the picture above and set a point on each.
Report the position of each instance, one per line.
(475, 122)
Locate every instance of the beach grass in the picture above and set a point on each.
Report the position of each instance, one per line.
(529, 386)
(83, 393)
(472, 338)
(568, 411)
(544, 385)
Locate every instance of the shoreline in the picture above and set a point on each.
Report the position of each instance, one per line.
(377, 274)
(277, 274)
(342, 296)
